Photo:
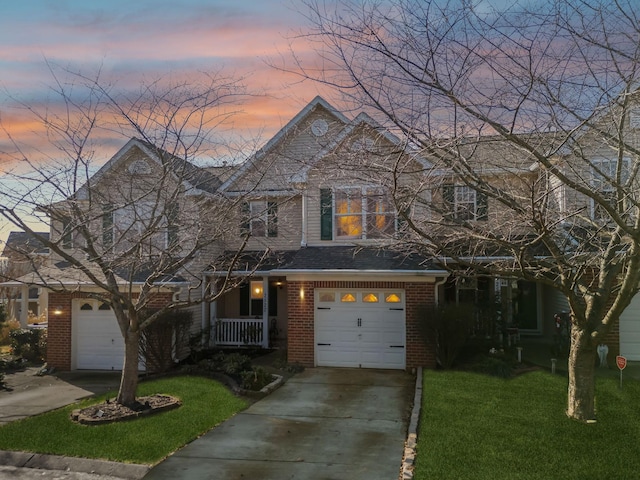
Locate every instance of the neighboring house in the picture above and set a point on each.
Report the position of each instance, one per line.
(321, 276)
(22, 253)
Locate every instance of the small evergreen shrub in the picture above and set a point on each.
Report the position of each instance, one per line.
(5, 329)
(256, 378)
(30, 344)
(493, 365)
(236, 363)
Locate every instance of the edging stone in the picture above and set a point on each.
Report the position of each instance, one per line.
(409, 457)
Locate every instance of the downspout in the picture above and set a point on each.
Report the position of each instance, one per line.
(438, 284)
(303, 239)
(205, 321)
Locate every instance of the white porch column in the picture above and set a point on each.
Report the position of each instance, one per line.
(24, 306)
(265, 312)
(213, 314)
(44, 302)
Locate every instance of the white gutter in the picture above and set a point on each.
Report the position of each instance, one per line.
(422, 273)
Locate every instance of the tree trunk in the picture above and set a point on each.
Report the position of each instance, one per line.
(581, 398)
(129, 378)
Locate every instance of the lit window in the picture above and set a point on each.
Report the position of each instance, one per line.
(392, 298)
(363, 212)
(348, 298)
(349, 213)
(370, 298)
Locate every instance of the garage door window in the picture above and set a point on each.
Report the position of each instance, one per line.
(86, 306)
(392, 298)
(327, 297)
(370, 298)
(348, 298)
(104, 306)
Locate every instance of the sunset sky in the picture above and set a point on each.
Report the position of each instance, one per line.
(132, 40)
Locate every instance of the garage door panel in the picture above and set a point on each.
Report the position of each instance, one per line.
(360, 333)
(98, 341)
(335, 356)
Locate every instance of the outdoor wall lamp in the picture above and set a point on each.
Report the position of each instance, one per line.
(257, 291)
(57, 311)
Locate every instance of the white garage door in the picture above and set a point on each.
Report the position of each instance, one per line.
(98, 342)
(630, 330)
(360, 328)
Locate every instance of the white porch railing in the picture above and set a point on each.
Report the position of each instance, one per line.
(240, 332)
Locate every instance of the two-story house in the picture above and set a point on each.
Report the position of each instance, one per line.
(320, 208)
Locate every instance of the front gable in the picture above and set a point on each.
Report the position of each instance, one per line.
(291, 150)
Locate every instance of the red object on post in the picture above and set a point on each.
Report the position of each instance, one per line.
(621, 362)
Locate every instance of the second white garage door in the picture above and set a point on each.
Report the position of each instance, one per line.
(98, 342)
(630, 330)
(360, 328)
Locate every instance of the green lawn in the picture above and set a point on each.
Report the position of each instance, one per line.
(478, 427)
(146, 440)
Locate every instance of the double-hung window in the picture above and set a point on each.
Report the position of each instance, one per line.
(464, 202)
(604, 179)
(144, 223)
(356, 213)
(260, 218)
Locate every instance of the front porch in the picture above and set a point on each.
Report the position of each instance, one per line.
(251, 316)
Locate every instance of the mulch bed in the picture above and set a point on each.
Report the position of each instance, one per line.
(110, 411)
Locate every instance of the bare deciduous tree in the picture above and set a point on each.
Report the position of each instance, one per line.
(529, 121)
(137, 233)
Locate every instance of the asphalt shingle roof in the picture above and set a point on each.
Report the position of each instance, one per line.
(348, 258)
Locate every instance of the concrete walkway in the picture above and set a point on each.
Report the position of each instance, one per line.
(28, 394)
(323, 423)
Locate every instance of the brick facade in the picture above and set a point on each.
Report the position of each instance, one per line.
(301, 329)
(59, 331)
(59, 334)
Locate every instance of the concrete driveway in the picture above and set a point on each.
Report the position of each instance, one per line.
(28, 394)
(322, 424)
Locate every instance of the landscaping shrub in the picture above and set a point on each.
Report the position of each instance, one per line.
(256, 378)
(30, 344)
(494, 365)
(448, 327)
(5, 329)
(236, 363)
(169, 333)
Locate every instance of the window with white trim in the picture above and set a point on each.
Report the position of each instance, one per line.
(604, 179)
(145, 223)
(357, 213)
(464, 202)
(260, 218)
